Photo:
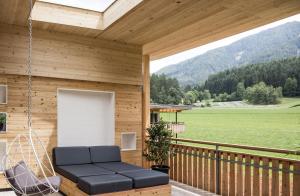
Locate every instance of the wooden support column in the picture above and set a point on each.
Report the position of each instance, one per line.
(145, 100)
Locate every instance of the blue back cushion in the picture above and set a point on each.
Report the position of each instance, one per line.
(102, 154)
(71, 155)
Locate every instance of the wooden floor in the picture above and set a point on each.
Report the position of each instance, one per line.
(177, 190)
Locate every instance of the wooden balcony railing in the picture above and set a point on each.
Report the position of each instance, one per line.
(227, 172)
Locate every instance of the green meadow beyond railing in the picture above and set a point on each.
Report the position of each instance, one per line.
(228, 172)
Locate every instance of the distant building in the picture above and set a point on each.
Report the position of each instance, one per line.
(175, 126)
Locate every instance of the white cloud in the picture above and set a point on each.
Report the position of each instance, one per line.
(160, 63)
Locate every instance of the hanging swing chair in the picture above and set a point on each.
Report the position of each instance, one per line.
(27, 166)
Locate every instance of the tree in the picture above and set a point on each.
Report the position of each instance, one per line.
(174, 95)
(165, 90)
(223, 97)
(187, 88)
(261, 94)
(206, 95)
(273, 73)
(158, 143)
(190, 97)
(201, 95)
(240, 90)
(290, 86)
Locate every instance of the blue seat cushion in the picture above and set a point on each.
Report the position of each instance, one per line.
(73, 172)
(102, 154)
(146, 178)
(118, 166)
(71, 155)
(104, 184)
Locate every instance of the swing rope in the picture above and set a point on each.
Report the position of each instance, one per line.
(29, 62)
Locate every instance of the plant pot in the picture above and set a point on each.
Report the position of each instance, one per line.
(161, 168)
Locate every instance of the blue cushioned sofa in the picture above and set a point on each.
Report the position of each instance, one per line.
(99, 169)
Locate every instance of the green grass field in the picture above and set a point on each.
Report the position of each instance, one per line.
(271, 126)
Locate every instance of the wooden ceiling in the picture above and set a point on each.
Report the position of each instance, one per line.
(165, 27)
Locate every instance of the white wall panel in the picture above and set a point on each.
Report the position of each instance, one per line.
(85, 118)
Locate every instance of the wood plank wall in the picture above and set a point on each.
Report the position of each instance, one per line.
(128, 101)
(67, 61)
(68, 56)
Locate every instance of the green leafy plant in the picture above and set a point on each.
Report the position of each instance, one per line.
(2, 118)
(158, 143)
(261, 94)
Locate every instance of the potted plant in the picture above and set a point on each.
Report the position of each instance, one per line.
(2, 121)
(158, 144)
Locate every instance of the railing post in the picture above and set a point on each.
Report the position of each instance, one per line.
(176, 124)
(218, 176)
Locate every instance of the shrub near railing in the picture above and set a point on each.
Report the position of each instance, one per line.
(233, 173)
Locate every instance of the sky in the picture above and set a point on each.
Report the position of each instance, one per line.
(95, 5)
(160, 63)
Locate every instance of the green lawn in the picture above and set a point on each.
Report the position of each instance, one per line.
(272, 126)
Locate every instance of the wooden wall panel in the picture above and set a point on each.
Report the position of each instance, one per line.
(70, 57)
(128, 109)
(18, 8)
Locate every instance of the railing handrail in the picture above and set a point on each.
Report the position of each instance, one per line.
(239, 153)
(171, 122)
(274, 150)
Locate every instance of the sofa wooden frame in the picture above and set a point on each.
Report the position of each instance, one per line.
(70, 188)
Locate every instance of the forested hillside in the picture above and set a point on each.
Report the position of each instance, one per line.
(273, 73)
(273, 44)
(263, 83)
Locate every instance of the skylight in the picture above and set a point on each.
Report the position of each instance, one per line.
(91, 14)
(94, 5)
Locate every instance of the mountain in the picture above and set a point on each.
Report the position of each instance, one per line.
(273, 44)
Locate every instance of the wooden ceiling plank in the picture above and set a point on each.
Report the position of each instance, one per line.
(117, 10)
(131, 20)
(206, 38)
(251, 23)
(169, 42)
(154, 14)
(223, 18)
(167, 26)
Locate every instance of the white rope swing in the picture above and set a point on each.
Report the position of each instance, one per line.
(27, 166)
